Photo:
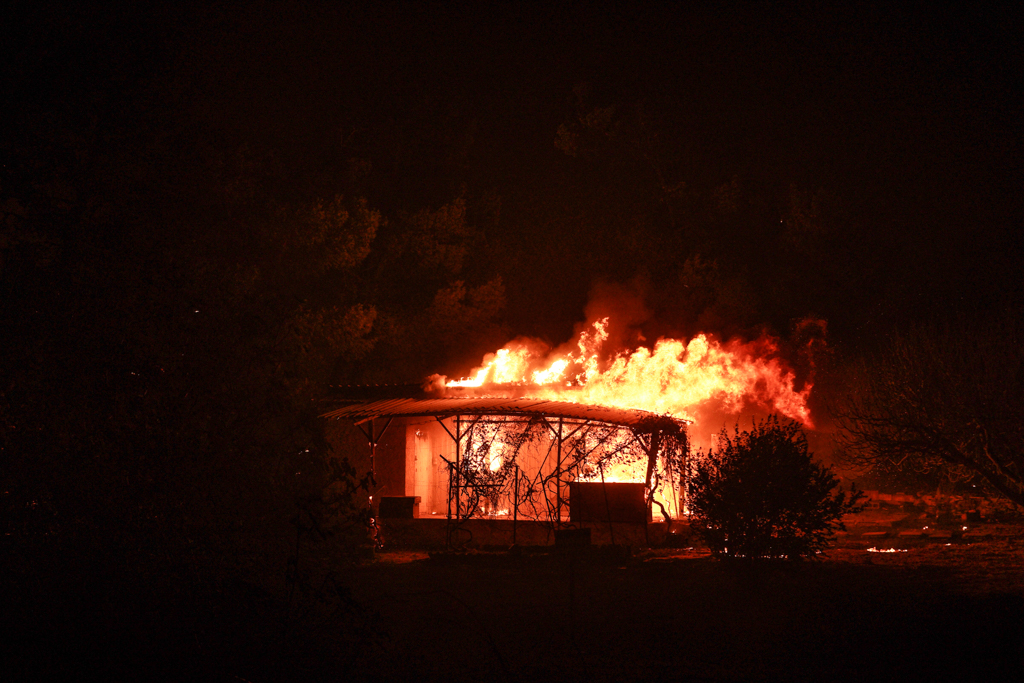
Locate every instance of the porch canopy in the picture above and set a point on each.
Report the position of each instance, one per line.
(367, 406)
(638, 421)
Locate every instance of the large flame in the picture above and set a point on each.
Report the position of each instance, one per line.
(703, 380)
(676, 378)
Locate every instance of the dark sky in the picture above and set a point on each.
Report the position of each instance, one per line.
(907, 118)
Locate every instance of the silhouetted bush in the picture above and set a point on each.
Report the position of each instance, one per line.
(759, 494)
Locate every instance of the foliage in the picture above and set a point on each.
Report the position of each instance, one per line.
(490, 473)
(489, 467)
(176, 292)
(759, 494)
(945, 397)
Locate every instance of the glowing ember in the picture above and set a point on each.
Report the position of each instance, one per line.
(886, 550)
(676, 378)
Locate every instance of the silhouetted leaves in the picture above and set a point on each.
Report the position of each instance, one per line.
(758, 494)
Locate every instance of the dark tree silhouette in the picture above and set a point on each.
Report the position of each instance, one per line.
(947, 396)
(759, 494)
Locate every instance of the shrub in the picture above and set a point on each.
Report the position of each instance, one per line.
(759, 494)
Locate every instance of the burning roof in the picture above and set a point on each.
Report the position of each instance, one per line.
(702, 381)
(684, 379)
(637, 420)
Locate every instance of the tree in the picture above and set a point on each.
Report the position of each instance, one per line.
(759, 494)
(947, 396)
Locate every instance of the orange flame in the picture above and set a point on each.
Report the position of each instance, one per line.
(675, 378)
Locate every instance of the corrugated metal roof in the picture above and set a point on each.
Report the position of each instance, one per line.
(449, 407)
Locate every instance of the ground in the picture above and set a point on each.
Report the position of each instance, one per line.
(936, 611)
(944, 609)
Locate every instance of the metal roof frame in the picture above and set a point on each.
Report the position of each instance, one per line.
(640, 421)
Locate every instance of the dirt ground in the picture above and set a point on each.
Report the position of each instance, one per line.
(892, 601)
(889, 602)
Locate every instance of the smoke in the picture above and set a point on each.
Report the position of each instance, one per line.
(624, 306)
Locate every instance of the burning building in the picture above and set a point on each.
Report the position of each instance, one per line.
(567, 436)
(463, 456)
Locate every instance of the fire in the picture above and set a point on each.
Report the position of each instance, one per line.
(676, 377)
(703, 380)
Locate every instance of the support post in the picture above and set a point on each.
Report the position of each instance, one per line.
(683, 481)
(515, 505)
(652, 460)
(454, 469)
(458, 466)
(674, 500)
(558, 479)
(607, 507)
(373, 438)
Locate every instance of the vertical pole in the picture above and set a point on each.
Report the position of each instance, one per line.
(373, 462)
(652, 460)
(448, 524)
(374, 528)
(558, 479)
(674, 499)
(607, 507)
(451, 474)
(515, 505)
(458, 465)
(683, 478)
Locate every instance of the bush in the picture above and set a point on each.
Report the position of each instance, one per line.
(759, 494)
